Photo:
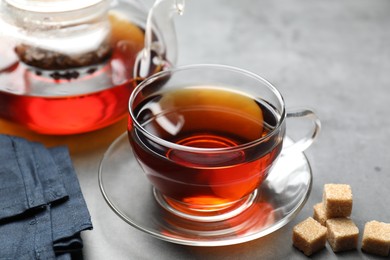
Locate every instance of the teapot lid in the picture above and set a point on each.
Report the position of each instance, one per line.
(53, 6)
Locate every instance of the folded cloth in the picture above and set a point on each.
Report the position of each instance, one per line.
(49, 172)
(42, 209)
(20, 188)
(66, 227)
(27, 237)
(22, 177)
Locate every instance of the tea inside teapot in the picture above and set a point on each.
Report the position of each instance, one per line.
(68, 66)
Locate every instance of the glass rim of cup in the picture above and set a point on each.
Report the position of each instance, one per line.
(185, 148)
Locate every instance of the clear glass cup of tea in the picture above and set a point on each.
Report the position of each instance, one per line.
(207, 136)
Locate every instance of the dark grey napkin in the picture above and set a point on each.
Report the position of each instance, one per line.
(66, 227)
(20, 188)
(42, 209)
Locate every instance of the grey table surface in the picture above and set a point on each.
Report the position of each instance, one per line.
(332, 56)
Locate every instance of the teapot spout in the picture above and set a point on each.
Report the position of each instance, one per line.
(160, 47)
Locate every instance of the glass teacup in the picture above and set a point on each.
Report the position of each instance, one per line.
(207, 136)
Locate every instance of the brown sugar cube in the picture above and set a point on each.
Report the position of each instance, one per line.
(342, 234)
(319, 213)
(309, 236)
(376, 238)
(337, 199)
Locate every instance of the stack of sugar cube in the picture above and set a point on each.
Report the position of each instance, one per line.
(331, 222)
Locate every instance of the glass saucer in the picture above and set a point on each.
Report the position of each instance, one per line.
(129, 194)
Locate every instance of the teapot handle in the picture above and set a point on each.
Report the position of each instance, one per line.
(159, 34)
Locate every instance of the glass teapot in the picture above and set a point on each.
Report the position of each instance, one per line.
(69, 66)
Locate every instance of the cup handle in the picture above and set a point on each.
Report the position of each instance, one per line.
(303, 143)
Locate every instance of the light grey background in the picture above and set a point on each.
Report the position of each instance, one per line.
(332, 56)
